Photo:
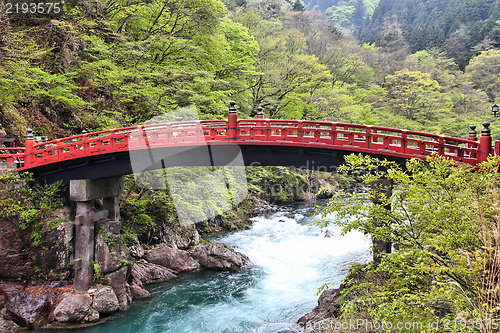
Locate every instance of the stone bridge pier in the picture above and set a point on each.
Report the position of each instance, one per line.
(84, 192)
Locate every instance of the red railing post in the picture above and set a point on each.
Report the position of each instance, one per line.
(472, 137)
(29, 143)
(260, 116)
(441, 149)
(260, 122)
(484, 143)
(497, 147)
(472, 133)
(317, 134)
(368, 135)
(300, 130)
(404, 140)
(334, 133)
(232, 122)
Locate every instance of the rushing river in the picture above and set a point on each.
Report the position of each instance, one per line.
(292, 259)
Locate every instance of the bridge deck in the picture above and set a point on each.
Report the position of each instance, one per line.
(272, 133)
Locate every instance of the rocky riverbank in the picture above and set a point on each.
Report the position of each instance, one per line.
(36, 265)
(325, 316)
(119, 276)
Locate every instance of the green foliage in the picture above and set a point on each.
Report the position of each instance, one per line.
(98, 277)
(33, 202)
(412, 93)
(444, 219)
(276, 184)
(484, 71)
(454, 25)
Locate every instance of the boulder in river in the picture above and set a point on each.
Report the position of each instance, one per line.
(105, 300)
(328, 307)
(118, 281)
(219, 257)
(144, 272)
(7, 326)
(73, 308)
(175, 259)
(29, 310)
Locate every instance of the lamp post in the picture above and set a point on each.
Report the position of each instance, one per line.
(494, 109)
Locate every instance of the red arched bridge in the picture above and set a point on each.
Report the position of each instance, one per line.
(93, 163)
(316, 145)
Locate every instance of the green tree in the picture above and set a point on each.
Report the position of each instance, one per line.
(411, 92)
(298, 6)
(445, 219)
(358, 16)
(484, 71)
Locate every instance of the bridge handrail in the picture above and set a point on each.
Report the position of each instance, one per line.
(334, 135)
(15, 154)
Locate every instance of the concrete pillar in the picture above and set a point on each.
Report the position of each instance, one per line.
(112, 205)
(84, 191)
(84, 245)
(383, 190)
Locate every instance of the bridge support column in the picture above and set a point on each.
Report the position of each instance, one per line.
(112, 205)
(84, 191)
(84, 245)
(383, 191)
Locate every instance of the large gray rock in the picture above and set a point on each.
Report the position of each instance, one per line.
(15, 247)
(144, 272)
(118, 281)
(7, 326)
(178, 236)
(219, 257)
(138, 291)
(328, 307)
(29, 310)
(7, 290)
(175, 259)
(105, 300)
(73, 308)
(20, 256)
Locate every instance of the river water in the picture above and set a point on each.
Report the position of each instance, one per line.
(292, 260)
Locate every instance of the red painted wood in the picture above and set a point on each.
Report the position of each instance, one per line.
(299, 133)
(12, 154)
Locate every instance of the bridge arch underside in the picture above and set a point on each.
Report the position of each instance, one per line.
(128, 162)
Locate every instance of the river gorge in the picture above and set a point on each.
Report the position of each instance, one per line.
(292, 259)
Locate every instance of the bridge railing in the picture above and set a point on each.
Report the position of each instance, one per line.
(362, 138)
(343, 136)
(12, 155)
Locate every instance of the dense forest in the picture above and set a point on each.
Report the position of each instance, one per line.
(104, 63)
(422, 65)
(459, 28)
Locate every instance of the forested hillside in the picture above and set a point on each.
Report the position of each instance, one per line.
(106, 63)
(347, 14)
